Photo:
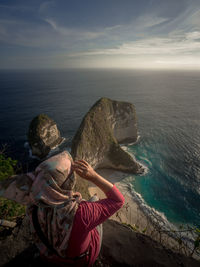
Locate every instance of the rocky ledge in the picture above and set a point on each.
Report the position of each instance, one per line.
(106, 125)
(121, 246)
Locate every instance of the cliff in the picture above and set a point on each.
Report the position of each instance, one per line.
(107, 124)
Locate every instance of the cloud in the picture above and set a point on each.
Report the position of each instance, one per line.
(193, 35)
(151, 36)
(149, 20)
(29, 34)
(175, 51)
(16, 8)
(74, 32)
(186, 21)
(45, 6)
(141, 26)
(22, 33)
(188, 43)
(60, 30)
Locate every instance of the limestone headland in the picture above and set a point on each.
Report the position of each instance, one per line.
(106, 125)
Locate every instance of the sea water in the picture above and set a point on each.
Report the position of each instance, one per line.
(168, 112)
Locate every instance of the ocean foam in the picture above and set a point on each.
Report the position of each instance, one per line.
(125, 146)
(134, 143)
(158, 219)
(31, 155)
(143, 166)
(26, 145)
(154, 215)
(51, 152)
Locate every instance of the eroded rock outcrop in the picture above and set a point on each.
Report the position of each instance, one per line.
(107, 124)
(43, 135)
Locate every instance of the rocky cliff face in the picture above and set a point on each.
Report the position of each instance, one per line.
(107, 124)
(43, 135)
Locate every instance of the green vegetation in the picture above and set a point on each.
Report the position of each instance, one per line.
(9, 210)
(135, 228)
(7, 167)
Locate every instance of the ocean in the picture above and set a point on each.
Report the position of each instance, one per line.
(168, 112)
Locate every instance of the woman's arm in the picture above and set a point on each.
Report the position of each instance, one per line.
(91, 214)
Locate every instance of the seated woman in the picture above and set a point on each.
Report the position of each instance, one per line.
(67, 229)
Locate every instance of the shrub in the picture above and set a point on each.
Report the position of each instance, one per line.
(9, 209)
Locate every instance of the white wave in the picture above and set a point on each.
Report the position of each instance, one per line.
(144, 168)
(124, 145)
(157, 218)
(133, 143)
(146, 160)
(153, 214)
(125, 148)
(26, 145)
(31, 155)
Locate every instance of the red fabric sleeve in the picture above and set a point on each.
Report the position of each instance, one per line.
(91, 214)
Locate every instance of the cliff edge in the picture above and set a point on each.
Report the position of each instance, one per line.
(121, 246)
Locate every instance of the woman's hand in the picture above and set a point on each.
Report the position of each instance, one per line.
(84, 170)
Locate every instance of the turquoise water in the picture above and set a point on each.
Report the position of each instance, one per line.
(161, 188)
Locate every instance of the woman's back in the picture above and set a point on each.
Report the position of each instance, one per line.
(68, 223)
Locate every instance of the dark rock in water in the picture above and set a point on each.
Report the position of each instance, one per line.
(43, 135)
(107, 124)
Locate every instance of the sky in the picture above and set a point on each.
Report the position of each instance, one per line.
(155, 34)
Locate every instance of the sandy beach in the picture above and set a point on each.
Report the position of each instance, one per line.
(131, 213)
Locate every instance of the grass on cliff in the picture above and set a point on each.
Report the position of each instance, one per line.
(9, 210)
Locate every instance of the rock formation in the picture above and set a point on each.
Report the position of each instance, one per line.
(107, 124)
(43, 135)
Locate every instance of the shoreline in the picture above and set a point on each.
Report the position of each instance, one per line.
(131, 214)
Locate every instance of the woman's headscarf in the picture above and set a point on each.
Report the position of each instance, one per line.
(51, 190)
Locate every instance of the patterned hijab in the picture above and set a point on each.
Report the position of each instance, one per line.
(51, 190)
